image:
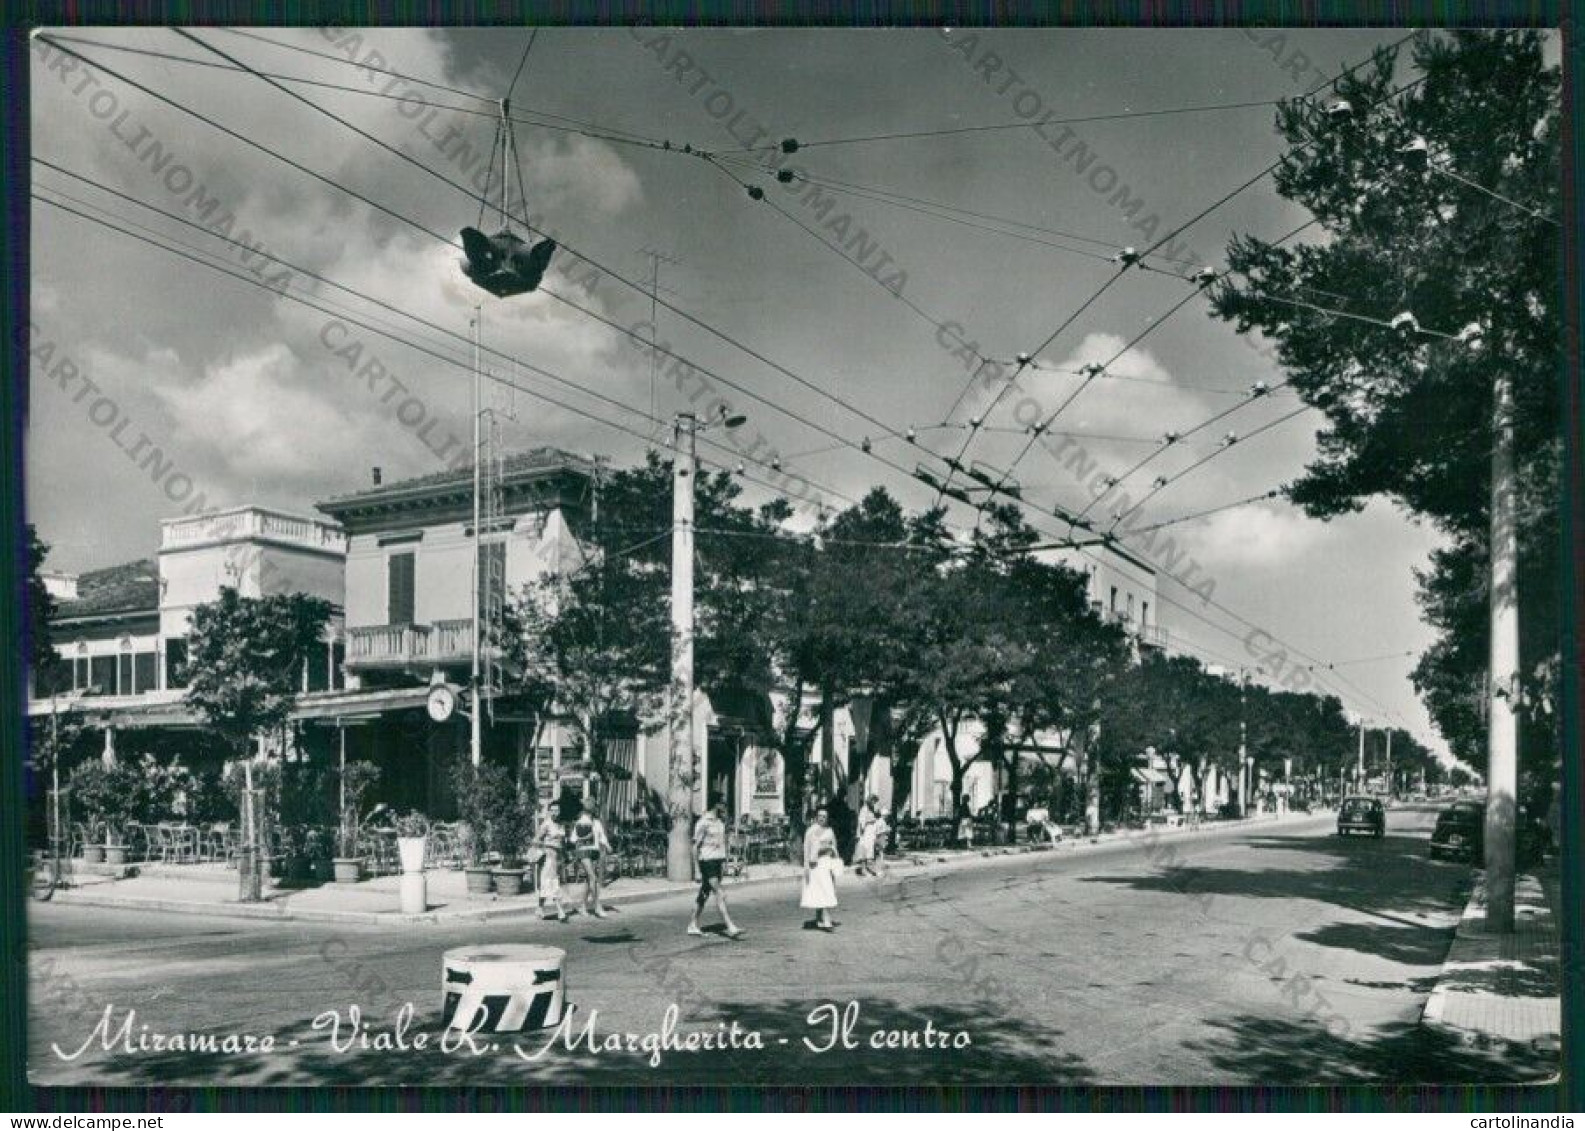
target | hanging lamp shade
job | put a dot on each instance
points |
(504, 264)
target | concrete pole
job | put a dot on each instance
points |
(1245, 774)
(1389, 764)
(475, 735)
(683, 757)
(1359, 769)
(1502, 742)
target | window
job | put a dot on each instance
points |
(48, 681)
(338, 659)
(143, 672)
(1130, 606)
(318, 668)
(1114, 599)
(176, 663)
(1144, 613)
(80, 678)
(399, 588)
(102, 674)
(123, 674)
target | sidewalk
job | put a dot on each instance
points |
(1504, 990)
(211, 889)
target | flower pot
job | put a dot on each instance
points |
(93, 854)
(349, 870)
(115, 854)
(411, 849)
(478, 881)
(508, 881)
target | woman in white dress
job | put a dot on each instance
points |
(870, 825)
(549, 838)
(821, 864)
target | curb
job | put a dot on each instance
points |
(1436, 1001)
(1432, 1016)
(282, 912)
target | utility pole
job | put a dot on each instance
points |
(1245, 770)
(683, 758)
(475, 736)
(1359, 768)
(1502, 740)
(1389, 764)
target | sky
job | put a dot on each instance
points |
(848, 313)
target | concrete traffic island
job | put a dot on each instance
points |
(502, 988)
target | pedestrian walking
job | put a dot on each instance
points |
(551, 839)
(709, 849)
(821, 867)
(870, 825)
(965, 823)
(589, 846)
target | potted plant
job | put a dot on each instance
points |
(357, 778)
(505, 826)
(87, 785)
(306, 809)
(469, 792)
(122, 804)
(412, 840)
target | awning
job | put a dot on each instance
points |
(736, 709)
(328, 706)
(1149, 776)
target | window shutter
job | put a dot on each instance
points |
(399, 589)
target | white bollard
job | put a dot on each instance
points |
(502, 989)
(415, 893)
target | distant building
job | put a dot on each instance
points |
(121, 632)
(1122, 588)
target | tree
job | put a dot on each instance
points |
(1173, 704)
(596, 642)
(1439, 203)
(245, 662)
(1062, 659)
(848, 614)
(41, 654)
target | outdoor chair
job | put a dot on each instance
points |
(219, 843)
(444, 849)
(736, 852)
(178, 843)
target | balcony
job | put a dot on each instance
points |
(1152, 636)
(250, 523)
(401, 646)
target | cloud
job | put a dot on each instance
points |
(1136, 387)
(1255, 536)
(252, 415)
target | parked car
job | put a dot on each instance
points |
(1361, 815)
(1460, 834)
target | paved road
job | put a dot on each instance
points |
(1274, 953)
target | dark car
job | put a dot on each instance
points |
(1361, 815)
(1460, 834)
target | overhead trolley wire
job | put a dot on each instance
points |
(451, 243)
(636, 287)
(1000, 126)
(426, 349)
